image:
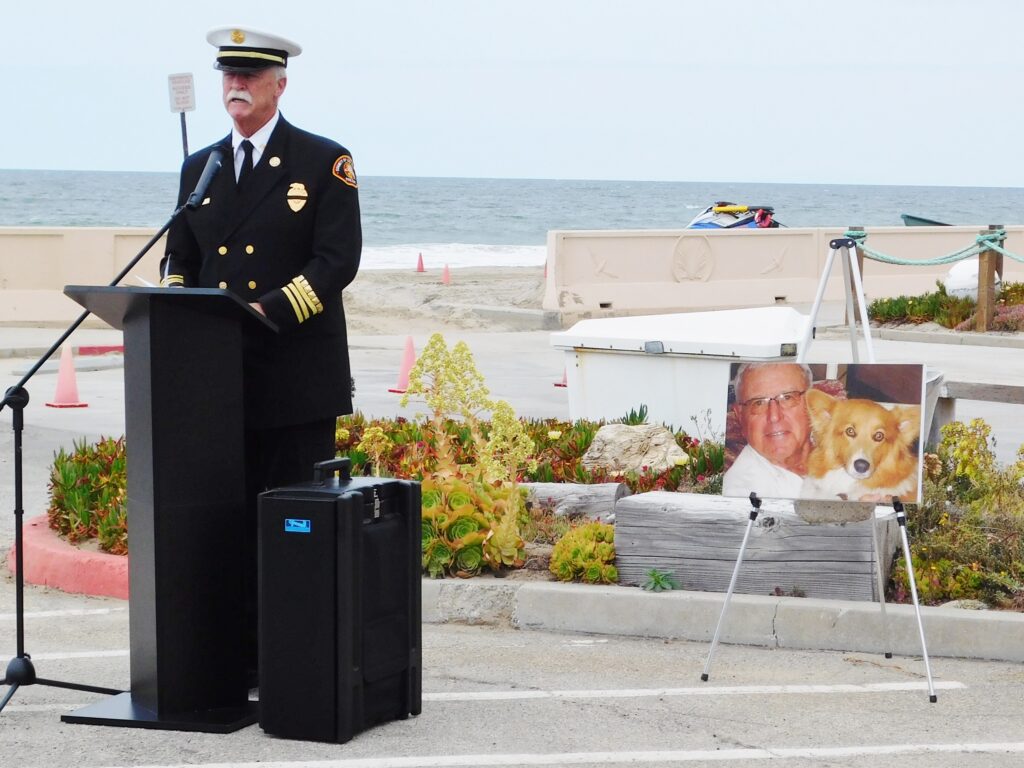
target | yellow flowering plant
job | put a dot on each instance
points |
(484, 527)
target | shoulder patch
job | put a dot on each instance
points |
(346, 171)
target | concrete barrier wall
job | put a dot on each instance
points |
(590, 273)
(37, 262)
(609, 273)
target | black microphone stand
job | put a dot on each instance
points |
(20, 670)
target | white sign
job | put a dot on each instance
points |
(183, 92)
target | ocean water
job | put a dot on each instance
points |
(504, 222)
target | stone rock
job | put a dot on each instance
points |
(825, 511)
(621, 448)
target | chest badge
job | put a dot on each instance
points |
(297, 196)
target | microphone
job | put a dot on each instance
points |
(213, 164)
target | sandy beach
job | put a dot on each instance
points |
(397, 301)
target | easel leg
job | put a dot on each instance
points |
(880, 586)
(756, 505)
(901, 518)
(816, 307)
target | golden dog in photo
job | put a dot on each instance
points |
(862, 451)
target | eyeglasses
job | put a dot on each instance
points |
(786, 400)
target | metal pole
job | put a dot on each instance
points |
(184, 135)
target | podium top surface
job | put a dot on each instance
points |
(116, 303)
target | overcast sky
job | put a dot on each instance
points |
(867, 92)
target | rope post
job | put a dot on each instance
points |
(860, 268)
(989, 262)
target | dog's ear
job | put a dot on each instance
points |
(909, 417)
(819, 407)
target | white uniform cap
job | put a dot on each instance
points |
(247, 49)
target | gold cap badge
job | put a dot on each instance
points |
(237, 36)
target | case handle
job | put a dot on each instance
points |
(329, 467)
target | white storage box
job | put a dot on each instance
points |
(677, 365)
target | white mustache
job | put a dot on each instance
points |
(236, 94)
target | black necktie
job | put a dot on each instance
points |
(246, 161)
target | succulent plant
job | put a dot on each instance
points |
(586, 553)
(504, 547)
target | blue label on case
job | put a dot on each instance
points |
(293, 525)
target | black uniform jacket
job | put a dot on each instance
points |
(290, 238)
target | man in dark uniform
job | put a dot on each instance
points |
(280, 228)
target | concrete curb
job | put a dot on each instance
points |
(52, 562)
(82, 364)
(87, 350)
(776, 622)
(969, 338)
(942, 336)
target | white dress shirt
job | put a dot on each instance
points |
(259, 143)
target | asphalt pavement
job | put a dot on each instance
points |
(499, 696)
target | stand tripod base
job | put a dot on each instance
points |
(122, 712)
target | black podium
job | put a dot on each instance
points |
(186, 503)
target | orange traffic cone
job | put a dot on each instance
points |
(563, 382)
(408, 360)
(419, 264)
(446, 276)
(67, 388)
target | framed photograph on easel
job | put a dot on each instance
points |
(838, 432)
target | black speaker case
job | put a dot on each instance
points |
(340, 607)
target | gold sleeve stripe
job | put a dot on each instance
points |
(170, 280)
(307, 292)
(305, 300)
(300, 311)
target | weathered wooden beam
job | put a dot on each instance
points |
(992, 393)
(596, 501)
(951, 391)
(696, 538)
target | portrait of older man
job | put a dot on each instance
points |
(772, 415)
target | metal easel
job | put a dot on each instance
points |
(853, 287)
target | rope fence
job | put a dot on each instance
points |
(986, 246)
(986, 241)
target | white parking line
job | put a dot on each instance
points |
(64, 613)
(662, 757)
(66, 707)
(60, 655)
(707, 690)
(608, 693)
(615, 693)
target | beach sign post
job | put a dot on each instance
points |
(182, 90)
